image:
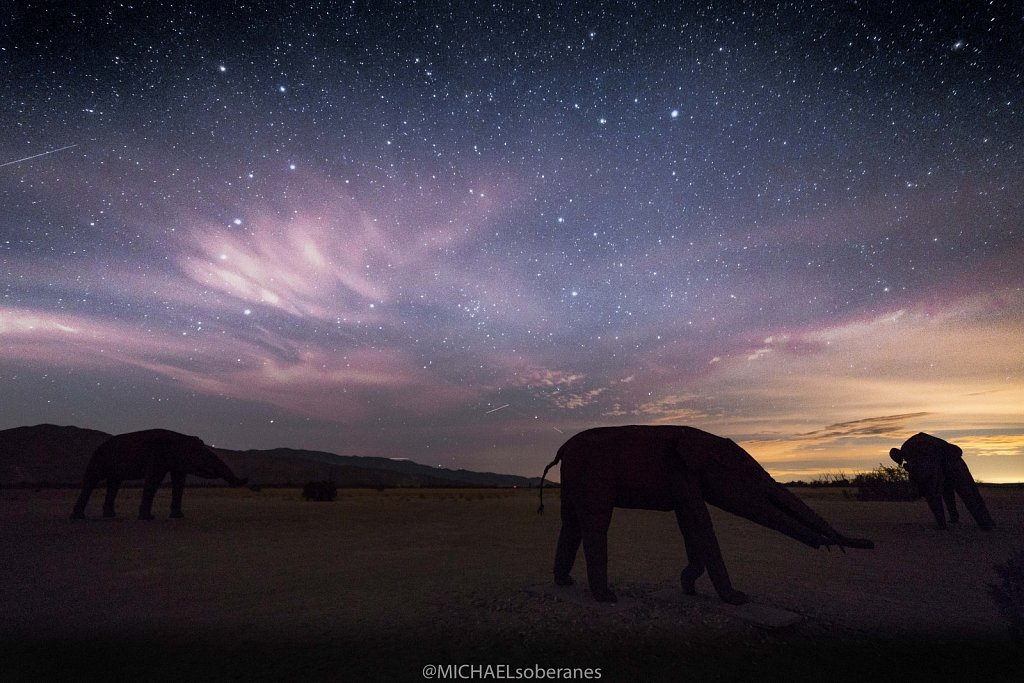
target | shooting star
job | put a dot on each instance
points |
(494, 410)
(34, 156)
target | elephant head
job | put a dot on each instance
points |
(205, 464)
(730, 479)
(924, 468)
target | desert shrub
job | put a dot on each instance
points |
(320, 491)
(1009, 596)
(831, 479)
(885, 483)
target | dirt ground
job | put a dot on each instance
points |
(378, 584)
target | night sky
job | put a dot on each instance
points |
(460, 232)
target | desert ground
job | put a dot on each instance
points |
(262, 585)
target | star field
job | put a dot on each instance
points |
(364, 227)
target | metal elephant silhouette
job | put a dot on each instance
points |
(150, 455)
(671, 468)
(937, 468)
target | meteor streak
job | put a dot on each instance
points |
(41, 154)
(494, 410)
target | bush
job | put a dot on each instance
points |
(831, 479)
(885, 483)
(1009, 597)
(320, 491)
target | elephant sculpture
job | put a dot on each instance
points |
(939, 471)
(150, 455)
(671, 468)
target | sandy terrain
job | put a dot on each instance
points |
(265, 586)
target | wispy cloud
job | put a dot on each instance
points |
(886, 425)
(676, 409)
(1001, 445)
(561, 389)
(306, 266)
(306, 379)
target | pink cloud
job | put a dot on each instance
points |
(546, 377)
(304, 379)
(324, 265)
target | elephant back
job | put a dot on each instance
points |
(928, 446)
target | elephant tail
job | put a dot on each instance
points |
(540, 510)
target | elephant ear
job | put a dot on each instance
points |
(896, 455)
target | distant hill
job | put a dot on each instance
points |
(280, 464)
(56, 456)
(46, 454)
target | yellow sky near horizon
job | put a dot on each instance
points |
(838, 398)
(992, 459)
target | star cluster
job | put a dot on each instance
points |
(458, 232)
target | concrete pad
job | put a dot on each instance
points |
(580, 595)
(758, 614)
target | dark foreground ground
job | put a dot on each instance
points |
(378, 585)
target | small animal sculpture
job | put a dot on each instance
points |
(325, 491)
(937, 468)
(150, 455)
(671, 468)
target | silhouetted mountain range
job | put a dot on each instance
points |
(52, 455)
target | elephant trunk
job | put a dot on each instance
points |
(209, 466)
(791, 505)
(224, 472)
(770, 504)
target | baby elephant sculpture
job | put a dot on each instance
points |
(678, 469)
(937, 468)
(150, 455)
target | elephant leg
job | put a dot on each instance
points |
(78, 512)
(594, 532)
(695, 522)
(949, 496)
(694, 568)
(177, 488)
(569, 539)
(113, 485)
(935, 503)
(149, 488)
(966, 487)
